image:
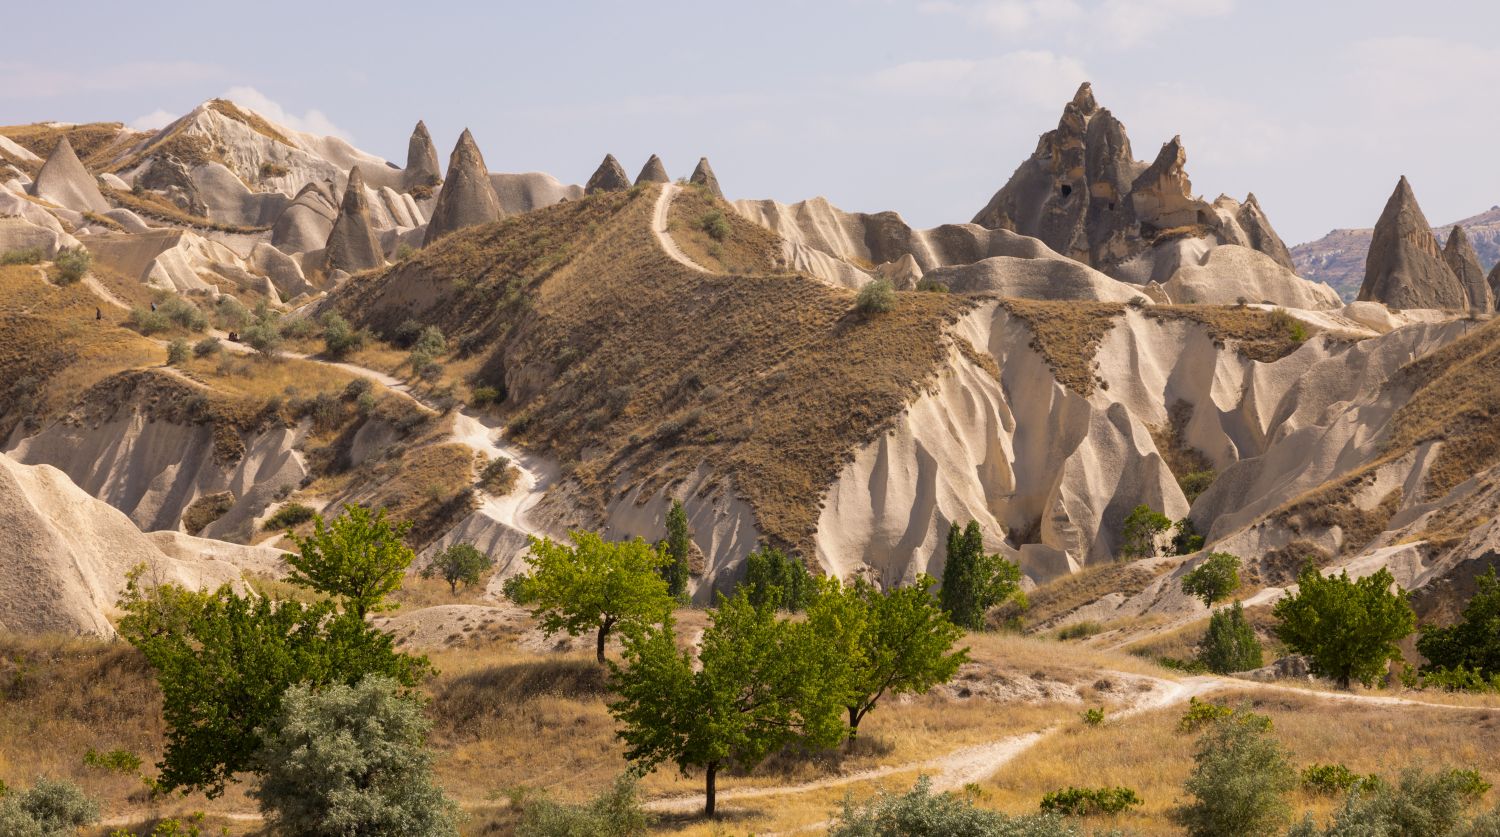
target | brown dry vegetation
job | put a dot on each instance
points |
(745, 248)
(1182, 459)
(149, 204)
(1052, 601)
(1266, 336)
(1455, 398)
(251, 120)
(1067, 335)
(602, 343)
(95, 143)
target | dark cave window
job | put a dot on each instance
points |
(1066, 190)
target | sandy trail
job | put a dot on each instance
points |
(659, 228)
(536, 474)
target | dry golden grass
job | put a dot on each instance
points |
(253, 121)
(151, 205)
(1057, 599)
(741, 246)
(1067, 335)
(1265, 336)
(1181, 458)
(1455, 398)
(95, 143)
(1148, 754)
(655, 368)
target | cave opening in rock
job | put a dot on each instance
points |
(1066, 190)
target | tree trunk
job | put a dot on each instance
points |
(1344, 682)
(603, 634)
(855, 716)
(708, 790)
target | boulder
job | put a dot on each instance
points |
(352, 245)
(422, 172)
(653, 172)
(64, 181)
(1404, 268)
(703, 175)
(609, 177)
(1460, 257)
(467, 197)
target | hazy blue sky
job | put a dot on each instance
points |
(922, 106)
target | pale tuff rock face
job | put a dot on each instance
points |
(421, 161)
(1404, 268)
(1084, 195)
(467, 198)
(703, 175)
(64, 181)
(352, 245)
(306, 223)
(609, 177)
(1494, 282)
(653, 172)
(1460, 257)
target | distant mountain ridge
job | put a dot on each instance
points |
(1338, 258)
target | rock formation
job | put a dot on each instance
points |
(305, 224)
(1083, 193)
(64, 181)
(421, 172)
(609, 177)
(653, 172)
(1460, 257)
(467, 197)
(703, 175)
(1404, 268)
(352, 245)
(1494, 281)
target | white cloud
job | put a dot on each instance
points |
(1032, 77)
(312, 121)
(1099, 23)
(155, 120)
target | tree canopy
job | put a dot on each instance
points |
(973, 581)
(1142, 526)
(1213, 580)
(1348, 629)
(776, 579)
(460, 563)
(1473, 643)
(678, 544)
(359, 558)
(592, 585)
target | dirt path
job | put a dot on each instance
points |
(659, 228)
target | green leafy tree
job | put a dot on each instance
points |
(223, 662)
(974, 582)
(359, 558)
(678, 544)
(1230, 644)
(340, 338)
(1473, 643)
(49, 807)
(593, 585)
(1213, 580)
(761, 683)
(350, 760)
(264, 337)
(776, 579)
(459, 564)
(1185, 537)
(876, 297)
(1240, 782)
(1142, 527)
(889, 643)
(1347, 628)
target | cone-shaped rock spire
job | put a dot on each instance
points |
(64, 181)
(1460, 257)
(703, 175)
(653, 172)
(1258, 230)
(1494, 282)
(609, 177)
(352, 245)
(421, 170)
(1404, 268)
(467, 197)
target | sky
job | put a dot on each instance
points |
(921, 106)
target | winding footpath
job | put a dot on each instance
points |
(659, 228)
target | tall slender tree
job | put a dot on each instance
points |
(679, 541)
(973, 581)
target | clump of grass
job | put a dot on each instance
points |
(23, 255)
(73, 263)
(1067, 335)
(715, 224)
(878, 297)
(499, 476)
(288, 516)
(1079, 630)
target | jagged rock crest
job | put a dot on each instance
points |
(653, 172)
(421, 170)
(467, 197)
(609, 177)
(1262, 237)
(64, 181)
(352, 245)
(1404, 268)
(703, 175)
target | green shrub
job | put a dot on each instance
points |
(350, 760)
(263, 337)
(932, 286)
(73, 264)
(1466, 654)
(615, 813)
(1291, 327)
(1214, 579)
(921, 813)
(774, 578)
(46, 809)
(231, 314)
(115, 761)
(877, 297)
(288, 516)
(1185, 538)
(715, 224)
(1240, 781)
(1333, 779)
(1459, 680)
(1419, 804)
(459, 564)
(1230, 645)
(407, 333)
(356, 389)
(1193, 484)
(430, 342)
(147, 322)
(340, 338)
(1093, 717)
(24, 255)
(1142, 526)
(205, 510)
(1201, 714)
(1084, 802)
(1079, 630)
(483, 395)
(177, 352)
(207, 346)
(183, 314)
(297, 328)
